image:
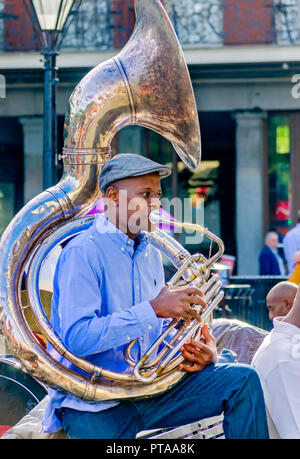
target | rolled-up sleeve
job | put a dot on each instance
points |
(84, 328)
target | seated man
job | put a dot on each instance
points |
(109, 289)
(280, 299)
(277, 362)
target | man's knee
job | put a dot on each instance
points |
(246, 373)
(247, 370)
(236, 371)
(226, 378)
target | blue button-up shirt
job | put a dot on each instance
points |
(291, 243)
(101, 293)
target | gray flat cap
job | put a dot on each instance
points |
(129, 165)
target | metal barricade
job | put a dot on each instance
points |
(237, 301)
(249, 303)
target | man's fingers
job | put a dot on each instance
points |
(193, 291)
(191, 368)
(196, 299)
(205, 332)
(188, 290)
(198, 349)
(192, 312)
(185, 316)
(189, 355)
(200, 359)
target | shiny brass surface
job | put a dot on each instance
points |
(147, 84)
(193, 270)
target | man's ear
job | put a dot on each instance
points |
(288, 305)
(112, 193)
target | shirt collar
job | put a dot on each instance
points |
(285, 327)
(104, 226)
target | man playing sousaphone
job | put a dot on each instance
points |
(109, 289)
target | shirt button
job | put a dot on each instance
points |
(149, 327)
(122, 249)
(128, 338)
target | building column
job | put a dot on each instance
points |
(33, 156)
(250, 172)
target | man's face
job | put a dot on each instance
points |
(272, 241)
(276, 307)
(136, 197)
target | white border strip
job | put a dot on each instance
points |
(223, 55)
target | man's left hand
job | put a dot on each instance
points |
(199, 353)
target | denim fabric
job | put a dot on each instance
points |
(230, 388)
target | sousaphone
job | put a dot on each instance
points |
(146, 84)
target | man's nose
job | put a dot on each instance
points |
(154, 204)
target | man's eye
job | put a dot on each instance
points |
(148, 194)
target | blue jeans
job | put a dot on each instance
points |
(232, 389)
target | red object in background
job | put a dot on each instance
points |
(124, 20)
(202, 192)
(229, 261)
(248, 22)
(283, 210)
(19, 32)
(4, 429)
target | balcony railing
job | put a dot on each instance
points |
(93, 27)
(287, 25)
(107, 24)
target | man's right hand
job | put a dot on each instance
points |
(176, 303)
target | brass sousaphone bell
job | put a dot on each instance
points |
(146, 84)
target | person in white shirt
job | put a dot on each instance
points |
(277, 362)
(291, 244)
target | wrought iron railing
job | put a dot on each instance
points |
(287, 21)
(197, 22)
(92, 28)
(104, 24)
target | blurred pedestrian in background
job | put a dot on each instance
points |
(270, 262)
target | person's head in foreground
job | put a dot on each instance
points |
(131, 188)
(280, 299)
(277, 362)
(293, 316)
